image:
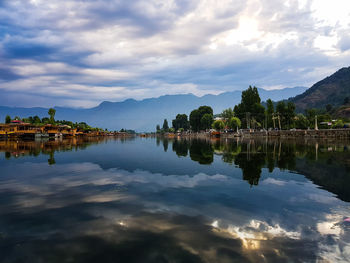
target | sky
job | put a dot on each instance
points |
(78, 53)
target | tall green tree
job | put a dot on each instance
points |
(250, 107)
(196, 116)
(165, 125)
(205, 109)
(181, 121)
(8, 119)
(290, 114)
(286, 113)
(158, 128)
(206, 121)
(52, 113)
(281, 113)
(270, 110)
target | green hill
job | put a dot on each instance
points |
(331, 90)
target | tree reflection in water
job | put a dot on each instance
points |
(325, 162)
(201, 151)
(132, 202)
(315, 159)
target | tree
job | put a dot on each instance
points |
(301, 122)
(205, 109)
(250, 107)
(165, 125)
(175, 123)
(227, 114)
(234, 123)
(218, 125)
(36, 119)
(8, 119)
(310, 115)
(290, 114)
(196, 116)
(206, 121)
(346, 100)
(181, 121)
(281, 107)
(286, 113)
(269, 112)
(52, 113)
(195, 120)
(158, 128)
(46, 120)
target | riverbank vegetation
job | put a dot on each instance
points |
(251, 113)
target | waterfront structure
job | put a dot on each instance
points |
(23, 130)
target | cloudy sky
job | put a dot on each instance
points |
(78, 53)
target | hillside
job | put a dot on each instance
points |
(144, 115)
(331, 90)
(343, 111)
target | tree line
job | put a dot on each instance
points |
(250, 113)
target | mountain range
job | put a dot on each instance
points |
(145, 114)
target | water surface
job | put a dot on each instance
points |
(155, 200)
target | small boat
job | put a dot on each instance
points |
(215, 134)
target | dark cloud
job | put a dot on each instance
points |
(8, 75)
(25, 51)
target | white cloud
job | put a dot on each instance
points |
(156, 47)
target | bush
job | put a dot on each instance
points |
(234, 123)
(338, 124)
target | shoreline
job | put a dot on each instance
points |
(322, 133)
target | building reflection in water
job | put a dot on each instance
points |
(22, 148)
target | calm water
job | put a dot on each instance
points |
(153, 200)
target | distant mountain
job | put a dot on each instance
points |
(331, 90)
(144, 115)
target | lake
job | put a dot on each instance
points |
(179, 200)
